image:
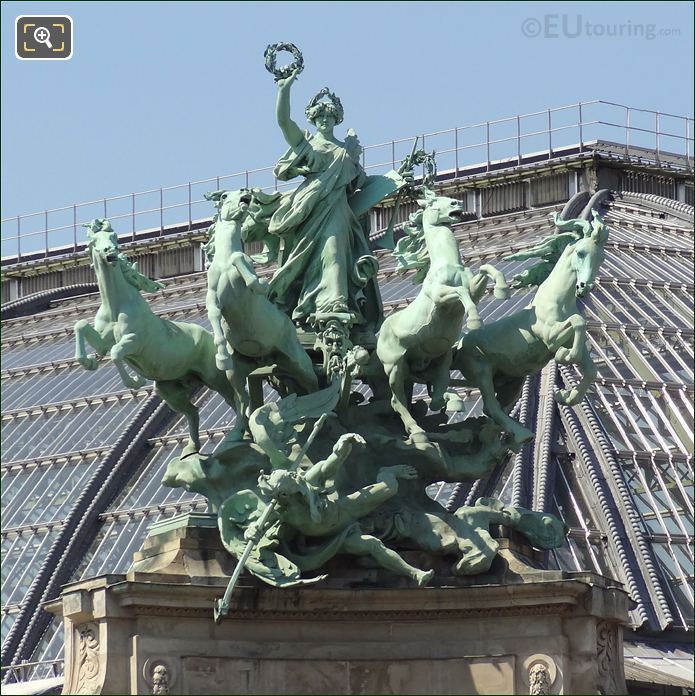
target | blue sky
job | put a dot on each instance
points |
(158, 94)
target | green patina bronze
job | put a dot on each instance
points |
(244, 322)
(498, 357)
(178, 356)
(320, 473)
(415, 344)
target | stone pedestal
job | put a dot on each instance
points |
(519, 630)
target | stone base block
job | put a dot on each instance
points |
(513, 633)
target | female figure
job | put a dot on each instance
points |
(326, 264)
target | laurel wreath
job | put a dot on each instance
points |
(285, 70)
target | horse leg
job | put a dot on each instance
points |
(177, 396)
(358, 544)
(574, 326)
(244, 266)
(396, 372)
(294, 360)
(440, 381)
(477, 286)
(571, 397)
(223, 359)
(231, 386)
(508, 390)
(492, 408)
(501, 291)
(85, 334)
(472, 316)
(125, 347)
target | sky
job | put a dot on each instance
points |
(157, 94)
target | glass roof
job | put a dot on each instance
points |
(635, 426)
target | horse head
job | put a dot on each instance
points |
(588, 254)
(102, 241)
(440, 210)
(231, 205)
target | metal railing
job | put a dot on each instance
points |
(482, 144)
(27, 671)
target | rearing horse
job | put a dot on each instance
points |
(178, 356)
(245, 323)
(498, 357)
(415, 344)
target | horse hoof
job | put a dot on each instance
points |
(521, 438)
(420, 438)
(423, 578)
(501, 293)
(455, 405)
(437, 404)
(474, 324)
(188, 450)
(224, 364)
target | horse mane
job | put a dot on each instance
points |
(548, 251)
(209, 246)
(411, 250)
(135, 278)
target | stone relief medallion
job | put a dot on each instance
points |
(160, 674)
(540, 671)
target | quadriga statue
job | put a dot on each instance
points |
(178, 356)
(415, 344)
(499, 356)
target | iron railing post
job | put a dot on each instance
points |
(161, 212)
(456, 151)
(19, 236)
(656, 123)
(550, 135)
(581, 129)
(518, 139)
(45, 233)
(487, 145)
(627, 131)
(74, 228)
(132, 213)
(190, 212)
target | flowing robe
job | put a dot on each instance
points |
(327, 265)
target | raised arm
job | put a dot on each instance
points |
(291, 131)
(328, 468)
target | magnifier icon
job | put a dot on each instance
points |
(42, 35)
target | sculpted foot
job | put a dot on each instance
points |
(568, 397)
(89, 363)
(519, 438)
(566, 356)
(474, 323)
(423, 577)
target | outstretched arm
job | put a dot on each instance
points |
(328, 468)
(291, 131)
